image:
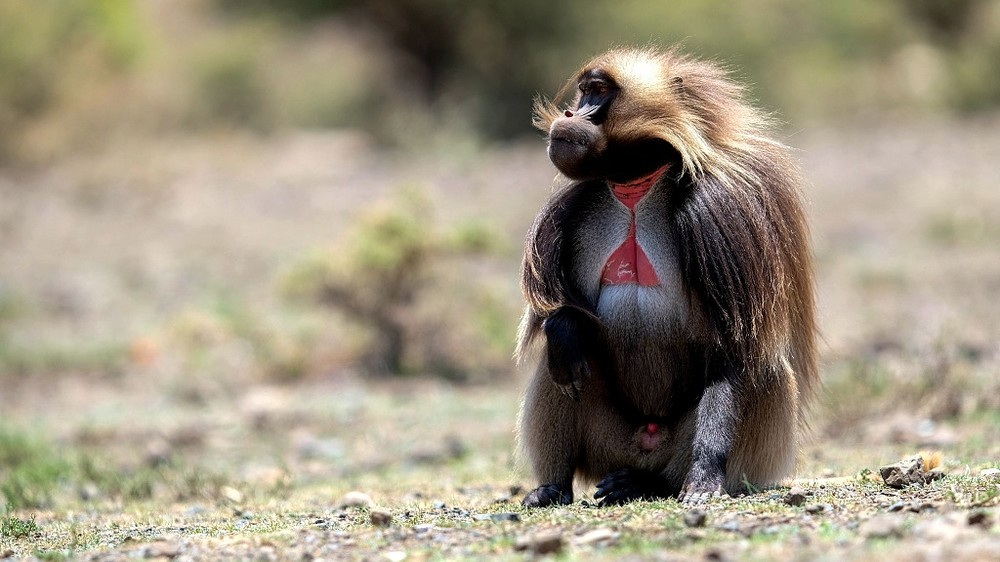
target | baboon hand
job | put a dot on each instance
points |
(566, 333)
(627, 485)
(568, 371)
(549, 494)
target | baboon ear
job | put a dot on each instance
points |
(677, 83)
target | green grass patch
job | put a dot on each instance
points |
(15, 528)
(29, 470)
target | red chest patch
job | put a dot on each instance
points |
(629, 263)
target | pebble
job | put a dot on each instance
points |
(933, 474)
(231, 494)
(695, 518)
(795, 496)
(498, 517)
(602, 536)
(980, 518)
(380, 517)
(903, 473)
(545, 542)
(395, 556)
(356, 499)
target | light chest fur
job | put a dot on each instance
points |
(649, 326)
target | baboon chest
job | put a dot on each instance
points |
(626, 264)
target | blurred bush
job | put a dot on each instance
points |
(56, 53)
(401, 281)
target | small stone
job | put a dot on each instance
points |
(356, 499)
(231, 494)
(933, 474)
(980, 518)
(795, 496)
(395, 556)
(497, 517)
(380, 517)
(905, 472)
(714, 554)
(601, 536)
(882, 527)
(6, 553)
(545, 542)
(815, 508)
(695, 518)
(423, 528)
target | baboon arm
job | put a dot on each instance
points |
(715, 430)
(575, 338)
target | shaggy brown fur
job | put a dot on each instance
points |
(730, 330)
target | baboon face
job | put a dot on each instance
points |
(580, 145)
(577, 142)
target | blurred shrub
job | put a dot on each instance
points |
(229, 87)
(51, 51)
(401, 281)
(477, 62)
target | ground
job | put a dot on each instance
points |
(201, 454)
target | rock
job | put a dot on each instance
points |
(356, 499)
(990, 473)
(6, 554)
(395, 556)
(980, 518)
(796, 496)
(933, 474)
(497, 517)
(380, 517)
(602, 536)
(882, 527)
(231, 494)
(545, 542)
(903, 473)
(695, 518)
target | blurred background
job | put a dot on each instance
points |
(220, 218)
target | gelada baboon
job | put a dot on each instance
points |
(670, 281)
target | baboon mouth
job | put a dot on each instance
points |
(577, 141)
